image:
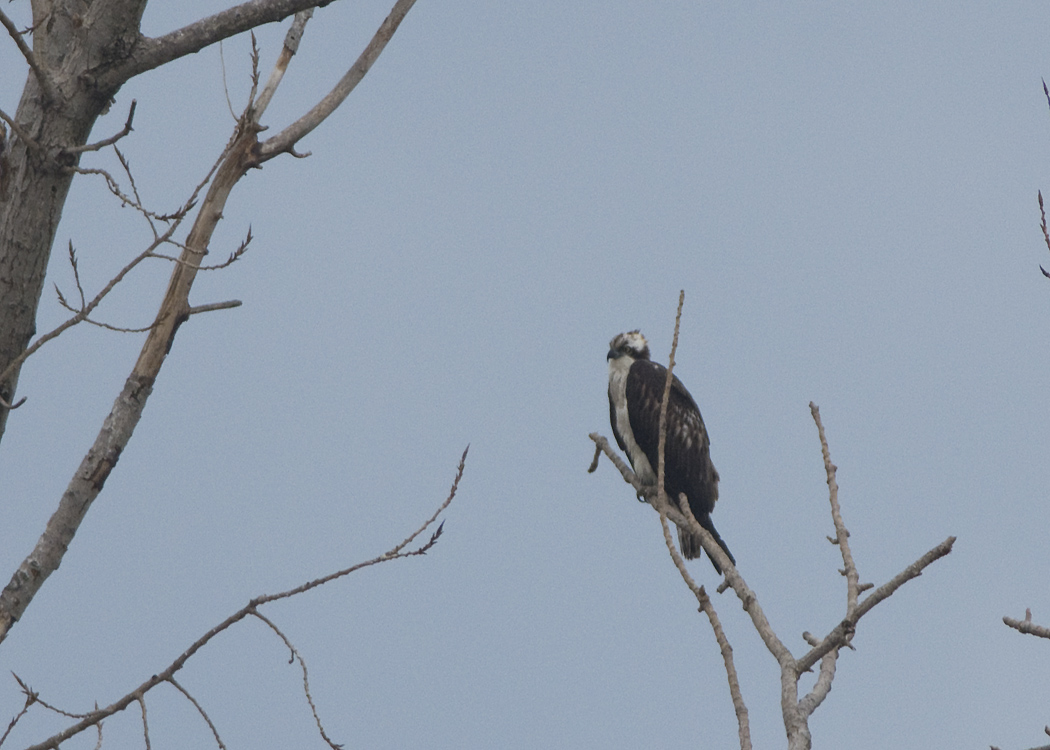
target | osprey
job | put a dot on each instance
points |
(636, 387)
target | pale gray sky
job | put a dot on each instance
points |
(847, 194)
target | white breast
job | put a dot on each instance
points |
(618, 371)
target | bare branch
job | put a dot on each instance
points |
(99, 145)
(287, 138)
(1028, 627)
(640, 489)
(841, 532)
(594, 461)
(95, 717)
(661, 443)
(822, 686)
(145, 723)
(84, 312)
(707, 607)
(46, 84)
(31, 698)
(228, 305)
(296, 656)
(200, 710)
(288, 50)
(451, 494)
(255, 75)
(76, 274)
(23, 136)
(15, 405)
(100, 459)
(842, 632)
(234, 256)
(152, 53)
(45, 704)
(1042, 220)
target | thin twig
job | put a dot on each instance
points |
(46, 84)
(707, 607)
(661, 443)
(98, 742)
(31, 698)
(841, 532)
(451, 494)
(234, 256)
(32, 144)
(96, 717)
(1042, 222)
(29, 692)
(842, 632)
(225, 85)
(255, 77)
(99, 145)
(296, 656)
(145, 724)
(200, 710)
(130, 266)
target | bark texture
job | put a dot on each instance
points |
(60, 103)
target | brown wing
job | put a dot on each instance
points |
(687, 455)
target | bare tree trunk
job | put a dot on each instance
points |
(60, 103)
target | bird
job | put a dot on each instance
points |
(636, 388)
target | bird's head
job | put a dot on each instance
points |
(631, 344)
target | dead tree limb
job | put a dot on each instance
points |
(241, 154)
(795, 711)
(95, 718)
(1026, 626)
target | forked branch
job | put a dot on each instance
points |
(795, 711)
(285, 140)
